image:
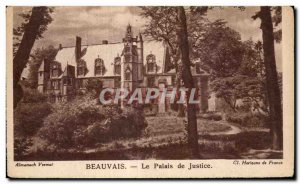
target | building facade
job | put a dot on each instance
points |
(132, 63)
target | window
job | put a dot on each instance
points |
(127, 49)
(151, 63)
(127, 74)
(117, 66)
(56, 84)
(80, 83)
(173, 80)
(41, 73)
(99, 66)
(69, 81)
(81, 67)
(65, 81)
(55, 70)
(151, 82)
(127, 58)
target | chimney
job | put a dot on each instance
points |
(78, 48)
(60, 46)
(104, 42)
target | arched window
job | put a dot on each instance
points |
(117, 66)
(127, 74)
(81, 67)
(151, 63)
(99, 66)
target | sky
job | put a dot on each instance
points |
(95, 24)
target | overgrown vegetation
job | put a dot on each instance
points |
(82, 122)
(28, 118)
(248, 119)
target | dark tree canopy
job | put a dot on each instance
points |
(34, 25)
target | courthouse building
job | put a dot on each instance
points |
(132, 63)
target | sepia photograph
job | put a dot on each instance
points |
(146, 83)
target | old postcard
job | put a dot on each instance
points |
(150, 92)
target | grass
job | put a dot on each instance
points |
(174, 125)
(165, 139)
(162, 131)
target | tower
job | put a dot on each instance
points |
(130, 63)
(140, 49)
(43, 76)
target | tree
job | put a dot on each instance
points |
(273, 90)
(37, 57)
(162, 27)
(94, 86)
(188, 81)
(169, 24)
(35, 23)
(219, 48)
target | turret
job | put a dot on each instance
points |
(140, 50)
(43, 76)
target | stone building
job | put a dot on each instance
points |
(132, 63)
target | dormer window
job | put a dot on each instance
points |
(99, 66)
(151, 63)
(117, 66)
(81, 67)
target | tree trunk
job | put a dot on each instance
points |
(178, 86)
(21, 58)
(188, 81)
(272, 79)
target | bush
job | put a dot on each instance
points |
(211, 116)
(67, 125)
(29, 117)
(84, 123)
(30, 113)
(127, 122)
(33, 96)
(247, 119)
(21, 146)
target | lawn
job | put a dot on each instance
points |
(162, 131)
(158, 126)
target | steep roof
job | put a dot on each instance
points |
(108, 52)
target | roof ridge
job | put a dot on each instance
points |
(110, 43)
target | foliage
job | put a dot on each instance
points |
(94, 86)
(219, 47)
(247, 83)
(19, 31)
(33, 96)
(34, 25)
(238, 87)
(66, 126)
(82, 122)
(127, 122)
(30, 113)
(21, 146)
(37, 57)
(211, 116)
(162, 27)
(247, 119)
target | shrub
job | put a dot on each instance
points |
(33, 96)
(84, 123)
(211, 116)
(67, 125)
(29, 117)
(248, 119)
(30, 113)
(127, 122)
(21, 146)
